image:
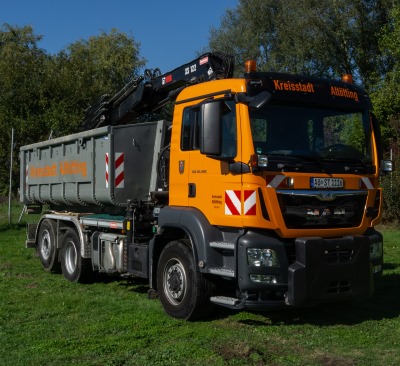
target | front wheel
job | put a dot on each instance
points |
(184, 292)
(73, 266)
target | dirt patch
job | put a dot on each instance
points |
(333, 360)
(18, 275)
(242, 351)
(4, 266)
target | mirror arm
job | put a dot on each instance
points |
(243, 98)
(255, 102)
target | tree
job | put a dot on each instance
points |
(306, 36)
(83, 72)
(43, 95)
(386, 101)
(248, 31)
(386, 95)
(22, 65)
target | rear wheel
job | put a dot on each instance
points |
(47, 246)
(184, 292)
(74, 267)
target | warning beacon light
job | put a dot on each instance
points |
(347, 78)
(250, 66)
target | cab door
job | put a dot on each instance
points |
(212, 187)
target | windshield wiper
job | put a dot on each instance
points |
(356, 164)
(285, 161)
(353, 165)
(310, 158)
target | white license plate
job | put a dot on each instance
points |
(326, 182)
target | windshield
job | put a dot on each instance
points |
(313, 137)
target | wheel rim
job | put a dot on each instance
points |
(71, 257)
(45, 245)
(175, 282)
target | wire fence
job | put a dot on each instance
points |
(391, 192)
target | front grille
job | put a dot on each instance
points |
(339, 287)
(338, 255)
(322, 209)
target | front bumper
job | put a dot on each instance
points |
(330, 270)
(323, 270)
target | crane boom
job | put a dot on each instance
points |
(149, 92)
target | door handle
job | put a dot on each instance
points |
(192, 190)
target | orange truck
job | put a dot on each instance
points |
(262, 192)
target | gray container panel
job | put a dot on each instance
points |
(105, 166)
(138, 163)
(56, 171)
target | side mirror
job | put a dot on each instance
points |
(386, 166)
(211, 129)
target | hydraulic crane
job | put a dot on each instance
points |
(149, 92)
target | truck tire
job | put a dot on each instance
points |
(184, 292)
(47, 246)
(73, 266)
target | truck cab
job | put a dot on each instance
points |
(281, 173)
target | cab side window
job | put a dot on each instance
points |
(190, 129)
(229, 133)
(190, 138)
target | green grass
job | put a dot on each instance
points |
(15, 215)
(46, 320)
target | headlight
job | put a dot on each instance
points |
(262, 257)
(263, 278)
(375, 250)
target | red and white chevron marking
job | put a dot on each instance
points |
(276, 181)
(366, 182)
(250, 202)
(119, 170)
(233, 202)
(106, 170)
(119, 167)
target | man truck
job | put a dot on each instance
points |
(262, 191)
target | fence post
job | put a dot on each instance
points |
(11, 165)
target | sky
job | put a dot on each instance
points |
(170, 32)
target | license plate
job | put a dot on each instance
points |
(326, 183)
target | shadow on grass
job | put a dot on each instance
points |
(390, 266)
(139, 285)
(5, 227)
(384, 304)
